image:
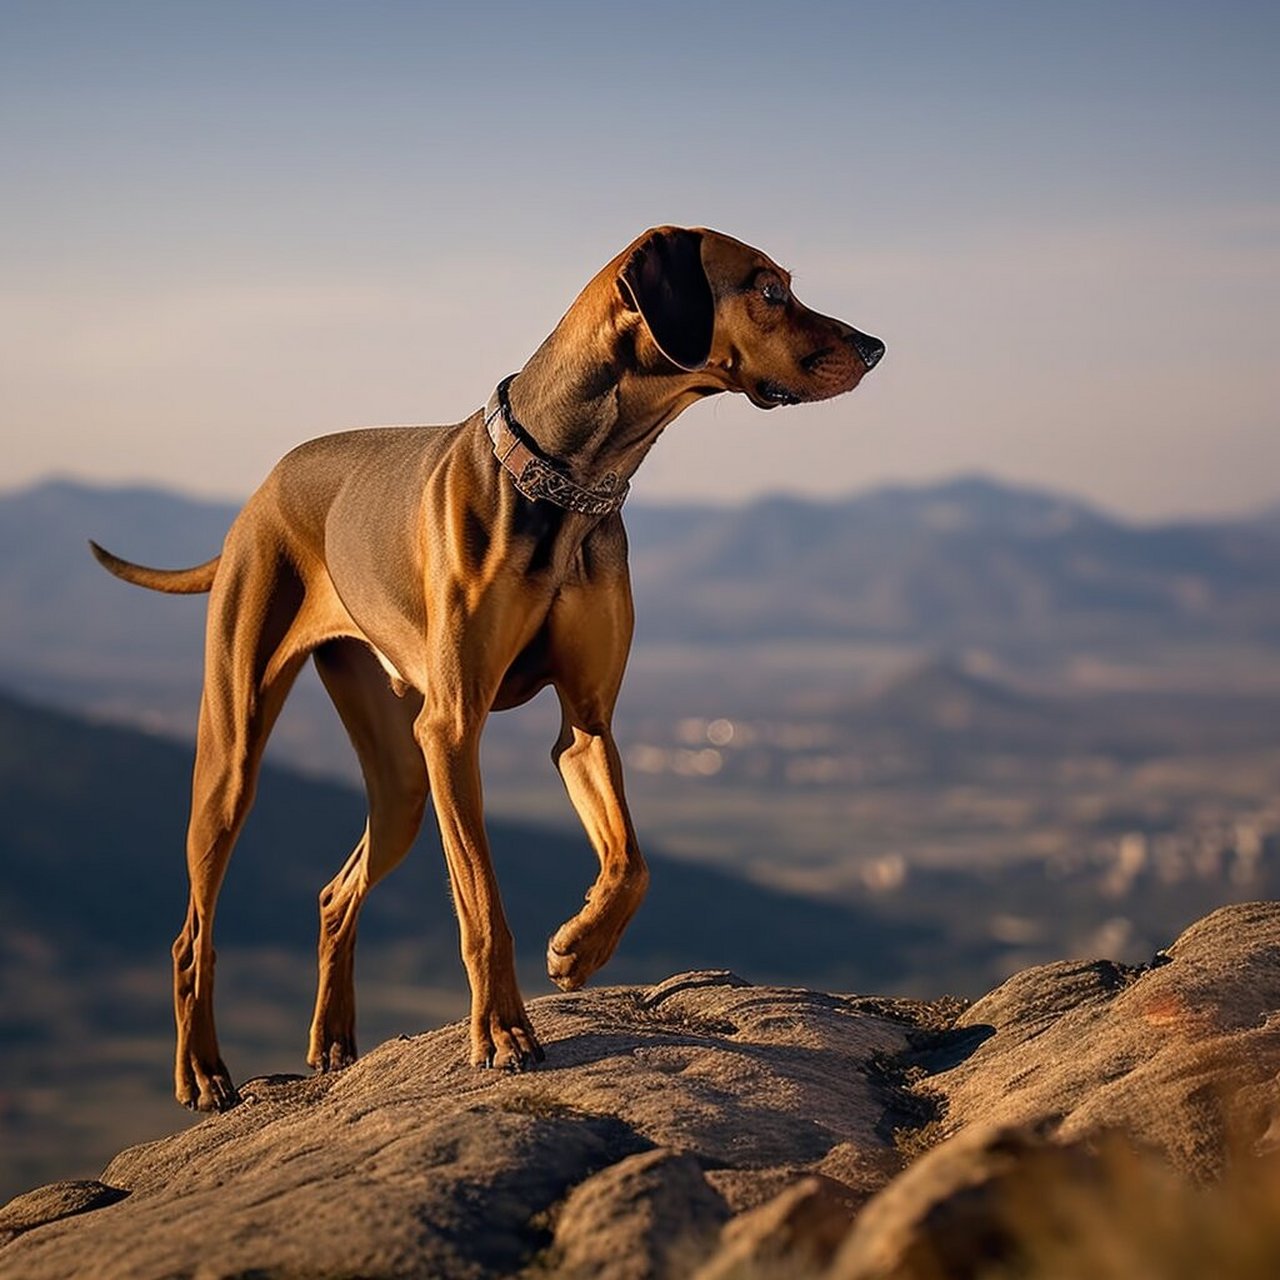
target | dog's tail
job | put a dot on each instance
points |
(184, 582)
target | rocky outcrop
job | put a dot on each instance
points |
(706, 1127)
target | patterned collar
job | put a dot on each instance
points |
(538, 477)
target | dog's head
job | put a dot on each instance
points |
(724, 313)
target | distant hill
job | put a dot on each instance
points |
(72, 633)
(941, 705)
(942, 698)
(56, 600)
(91, 837)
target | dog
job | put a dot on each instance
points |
(436, 574)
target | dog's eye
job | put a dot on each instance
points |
(774, 292)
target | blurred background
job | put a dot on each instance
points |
(976, 668)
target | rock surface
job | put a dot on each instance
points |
(1168, 1054)
(703, 1127)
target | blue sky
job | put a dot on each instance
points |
(232, 226)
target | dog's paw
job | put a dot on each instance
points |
(334, 1055)
(206, 1089)
(575, 952)
(508, 1044)
(565, 968)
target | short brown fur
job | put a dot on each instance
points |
(429, 591)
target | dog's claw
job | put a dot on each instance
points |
(219, 1095)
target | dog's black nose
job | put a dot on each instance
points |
(869, 348)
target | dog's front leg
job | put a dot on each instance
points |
(590, 636)
(448, 730)
(588, 760)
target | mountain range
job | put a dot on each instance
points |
(968, 562)
(961, 564)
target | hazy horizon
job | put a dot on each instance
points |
(232, 228)
(1267, 508)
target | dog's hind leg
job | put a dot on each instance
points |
(250, 664)
(380, 726)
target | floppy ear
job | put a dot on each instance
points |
(665, 282)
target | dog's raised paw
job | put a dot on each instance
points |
(576, 950)
(565, 969)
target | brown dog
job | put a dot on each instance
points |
(435, 574)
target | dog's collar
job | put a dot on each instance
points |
(538, 477)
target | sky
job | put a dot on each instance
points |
(230, 227)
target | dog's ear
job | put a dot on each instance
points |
(664, 281)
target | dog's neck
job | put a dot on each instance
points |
(538, 476)
(597, 394)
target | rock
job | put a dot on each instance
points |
(650, 1215)
(1181, 1058)
(954, 1213)
(49, 1204)
(412, 1163)
(707, 1126)
(1010, 1202)
(797, 1232)
(1180, 1055)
